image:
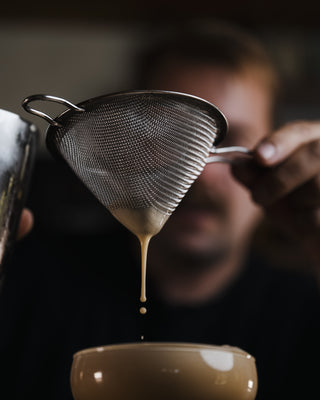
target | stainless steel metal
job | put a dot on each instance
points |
(194, 101)
(232, 153)
(137, 149)
(18, 141)
(43, 97)
(233, 150)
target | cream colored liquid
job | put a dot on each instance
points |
(144, 223)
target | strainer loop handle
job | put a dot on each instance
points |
(46, 97)
(232, 152)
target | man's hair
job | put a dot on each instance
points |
(219, 44)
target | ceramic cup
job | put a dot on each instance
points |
(163, 371)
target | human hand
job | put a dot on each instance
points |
(25, 224)
(284, 178)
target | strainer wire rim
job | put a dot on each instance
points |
(211, 109)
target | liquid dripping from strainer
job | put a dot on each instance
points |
(137, 151)
(143, 223)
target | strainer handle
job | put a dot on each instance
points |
(232, 152)
(46, 97)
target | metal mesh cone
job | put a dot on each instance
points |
(136, 150)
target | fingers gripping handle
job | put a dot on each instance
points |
(45, 97)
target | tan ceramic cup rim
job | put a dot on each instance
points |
(174, 346)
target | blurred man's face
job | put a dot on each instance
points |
(217, 215)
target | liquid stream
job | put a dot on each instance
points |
(144, 223)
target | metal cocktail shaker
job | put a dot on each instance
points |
(18, 142)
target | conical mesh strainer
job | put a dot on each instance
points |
(138, 149)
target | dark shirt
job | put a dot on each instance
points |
(63, 295)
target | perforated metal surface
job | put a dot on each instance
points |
(136, 149)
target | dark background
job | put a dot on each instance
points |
(79, 49)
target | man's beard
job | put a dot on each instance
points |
(191, 247)
(188, 260)
(191, 261)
